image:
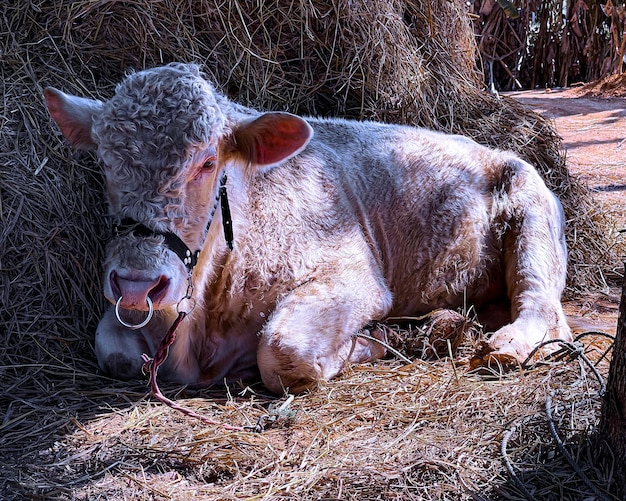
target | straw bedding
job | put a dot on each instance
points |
(429, 429)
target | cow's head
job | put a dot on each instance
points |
(164, 140)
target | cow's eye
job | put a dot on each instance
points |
(208, 165)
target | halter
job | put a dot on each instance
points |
(173, 242)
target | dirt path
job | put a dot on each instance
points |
(594, 137)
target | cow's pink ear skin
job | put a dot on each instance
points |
(73, 115)
(272, 138)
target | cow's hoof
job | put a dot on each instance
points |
(500, 361)
(501, 353)
(488, 361)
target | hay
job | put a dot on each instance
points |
(384, 431)
(610, 86)
(388, 431)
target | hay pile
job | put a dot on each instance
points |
(610, 86)
(392, 431)
(406, 62)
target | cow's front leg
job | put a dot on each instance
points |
(311, 334)
(535, 259)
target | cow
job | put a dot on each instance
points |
(333, 224)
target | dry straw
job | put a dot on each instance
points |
(428, 430)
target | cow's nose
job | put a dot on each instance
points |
(134, 290)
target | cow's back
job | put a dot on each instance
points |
(411, 205)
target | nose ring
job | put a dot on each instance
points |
(136, 326)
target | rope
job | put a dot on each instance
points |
(576, 350)
(151, 365)
(509, 466)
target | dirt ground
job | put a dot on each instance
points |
(593, 128)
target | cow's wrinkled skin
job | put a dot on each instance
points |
(336, 224)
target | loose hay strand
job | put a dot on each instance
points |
(387, 347)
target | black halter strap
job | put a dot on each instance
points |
(172, 241)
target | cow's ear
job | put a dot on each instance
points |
(271, 138)
(74, 116)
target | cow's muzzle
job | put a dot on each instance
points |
(177, 246)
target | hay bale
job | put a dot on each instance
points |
(391, 60)
(387, 60)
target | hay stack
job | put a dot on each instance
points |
(405, 62)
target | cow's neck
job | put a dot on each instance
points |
(231, 290)
(220, 249)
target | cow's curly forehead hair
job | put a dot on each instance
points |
(154, 120)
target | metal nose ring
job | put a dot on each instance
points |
(136, 326)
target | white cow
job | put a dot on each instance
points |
(336, 224)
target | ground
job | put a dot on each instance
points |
(391, 430)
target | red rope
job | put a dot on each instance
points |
(151, 365)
